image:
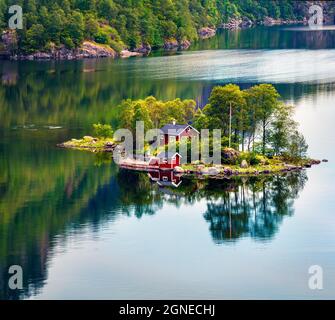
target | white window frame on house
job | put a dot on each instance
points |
(165, 179)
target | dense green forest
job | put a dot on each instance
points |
(131, 23)
(260, 121)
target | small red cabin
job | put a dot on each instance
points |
(174, 132)
(166, 160)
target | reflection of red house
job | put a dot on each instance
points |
(174, 132)
(166, 160)
(165, 178)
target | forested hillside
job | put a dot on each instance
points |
(132, 23)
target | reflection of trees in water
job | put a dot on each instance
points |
(255, 209)
(268, 38)
(290, 92)
(70, 194)
(46, 192)
(64, 94)
(239, 207)
(136, 195)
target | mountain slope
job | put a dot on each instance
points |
(133, 23)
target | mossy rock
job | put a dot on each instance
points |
(230, 155)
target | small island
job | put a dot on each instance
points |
(257, 135)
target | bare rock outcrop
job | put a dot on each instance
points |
(144, 49)
(232, 24)
(244, 164)
(171, 44)
(93, 50)
(268, 21)
(87, 50)
(174, 44)
(238, 23)
(128, 54)
(230, 155)
(184, 44)
(8, 43)
(206, 32)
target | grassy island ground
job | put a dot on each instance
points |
(238, 166)
(273, 166)
(257, 131)
(91, 144)
(103, 143)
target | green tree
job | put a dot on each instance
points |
(282, 128)
(126, 111)
(298, 146)
(137, 22)
(221, 101)
(55, 25)
(91, 26)
(35, 38)
(75, 28)
(141, 113)
(103, 130)
(156, 113)
(263, 100)
(201, 121)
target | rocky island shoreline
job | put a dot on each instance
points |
(255, 146)
(198, 169)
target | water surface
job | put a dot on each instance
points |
(80, 228)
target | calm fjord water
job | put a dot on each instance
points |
(80, 228)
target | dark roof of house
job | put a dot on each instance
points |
(175, 129)
(167, 155)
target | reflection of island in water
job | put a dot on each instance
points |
(165, 178)
(239, 207)
(84, 195)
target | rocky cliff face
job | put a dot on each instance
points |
(93, 50)
(8, 42)
(87, 50)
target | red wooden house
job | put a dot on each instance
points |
(165, 161)
(174, 132)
